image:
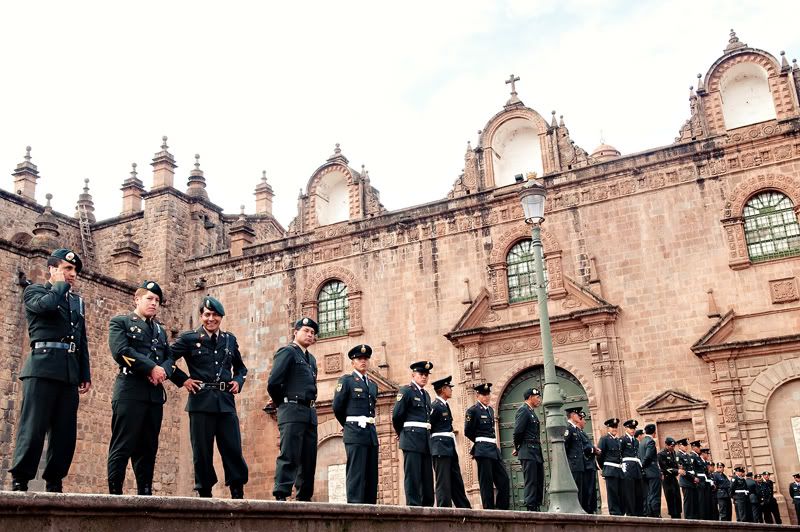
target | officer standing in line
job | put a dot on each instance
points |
(216, 374)
(528, 447)
(755, 498)
(794, 494)
(354, 407)
(589, 488)
(292, 387)
(632, 468)
(574, 448)
(449, 484)
(411, 419)
(741, 496)
(704, 497)
(668, 464)
(138, 344)
(723, 485)
(610, 461)
(479, 429)
(769, 504)
(53, 376)
(713, 510)
(687, 480)
(651, 474)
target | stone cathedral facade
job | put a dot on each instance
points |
(672, 281)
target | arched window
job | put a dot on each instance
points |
(770, 227)
(746, 96)
(521, 272)
(332, 308)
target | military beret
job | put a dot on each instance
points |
(69, 256)
(483, 389)
(441, 383)
(212, 304)
(612, 422)
(531, 392)
(650, 428)
(360, 351)
(683, 441)
(423, 367)
(639, 432)
(740, 469)
(669, 440)
(153, 287)
(306, 322)
(696, 443)
(574, 410)
(631, 424)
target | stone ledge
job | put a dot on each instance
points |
(89, 513)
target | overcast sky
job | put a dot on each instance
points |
(252, 86)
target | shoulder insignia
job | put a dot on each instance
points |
(339, 387)
(468, 417)
(566, 433)
(128, 360)
(400, 396)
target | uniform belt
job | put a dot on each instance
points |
(447, 434)
(612, 464)
(303, 402)
(221, 386)
(632, 459)
(741, 491)
(69, 348)
(796, 497)
(485, 439)
(418, 424)
(701, 475)
(361, 420)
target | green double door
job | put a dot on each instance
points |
(573, 394)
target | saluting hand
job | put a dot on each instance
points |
(193, 385)
(233, 386)
(56, 275)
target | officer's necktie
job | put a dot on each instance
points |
(214, 338)
(366, 381)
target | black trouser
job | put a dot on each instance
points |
(690, 502)
(449, 484)
(744, 513)
(533, 473)
(771, 513)
(755, 509)
(797, 510)
(50, 408)
(703, 500)
(491, 474)
(296, 461)
(588, 493)
(418, 478)
(135, 426)
(577, 476)
(362, 473)
(672, 494)
(652, 496)
(724, 509)
(204, 427)
(614, 494)
(632, 496)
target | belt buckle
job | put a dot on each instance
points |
(72, 347)
(312, 403)
(223, 386)
(371, 420)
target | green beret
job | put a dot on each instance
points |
(152, 286)
(213, 305)
(69, 256)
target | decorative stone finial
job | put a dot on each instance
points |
(337, 150)
(134, 173)
(27, 153)
(734, 43)
(197, 183)
(164, 143)
(86, 186)
(561, 121)
(85, 206)
(553, 122)
(337, 154)
(794, 64)
(264, 176)
(469, 146)
(197, 161)
(784, 62)
(48, 197)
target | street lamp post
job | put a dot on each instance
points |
(562, 491)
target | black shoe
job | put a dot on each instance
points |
(237, 491)
(114, 488)
(280, 497)
(19, 485)
(204, 492)
(54, 487)
(144, 489)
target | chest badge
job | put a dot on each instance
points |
(399, 396)
(358, 389)
(566, 433)
(339, 387)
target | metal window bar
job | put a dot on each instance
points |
(771, 229)
(522, 273)
(333, 310)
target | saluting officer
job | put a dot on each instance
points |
(479, 429)
(354, 408)
(449, 484)
(769, 504)
(651, 475)
(741, 496)
(411, 419)
(138, 344)
(588, 491)
(632, 468)
(528, 448)
(56, 371)
(668, 464)
(292, 386)
(610, 460)
(216, 374)
(794, 494)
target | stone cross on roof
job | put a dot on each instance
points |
(512, 81)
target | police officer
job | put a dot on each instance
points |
(687, 480)
(632, 468)
(741, 496)
(479, 429)
(588, 491)
(754, 497)
(574, 448)
(56, 371)
(769, 506)
(713, 510)
(528, 447)
(610, 461)
(723, 484)
(354, 407)
(651, 474)
(138, 344)
(292, 386)
(216, 374)
(449, 484)
(704, 498)
(411, 419)
(668, 464)
(794, 494)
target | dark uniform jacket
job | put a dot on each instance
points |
(354, 398)
(794, 492)
(574, 447)
(723, 484)
(137, 347)
(211, 362)
(610, 453)
(442, 421)
(589, 459)
(668, 463)
(648, 456)
(767, 488)
(752, 488)
(630, 449)
(412, 405)
(56, 315)
(739, 484)
(292, 385)
(686, 462)
(526, 434)
(479, 423)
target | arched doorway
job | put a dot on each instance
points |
(784, 438)
(329, 480)
(574, 395)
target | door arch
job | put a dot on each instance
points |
(574, 395)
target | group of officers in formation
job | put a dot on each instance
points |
(57, 372)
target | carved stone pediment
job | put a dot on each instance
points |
(670, 401)
(737, 336)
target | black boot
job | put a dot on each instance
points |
(204, 492)
(54, 487)
(237, 491)
(19, 485)
(114, 487)
(144, 489)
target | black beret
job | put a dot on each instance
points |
(359, 351)
(650, 428)
(69, 256)
(306, 322)
(423, 366)
(153, 286)
(531, 392)
(441, 383)
(483, 389)
(612, 422)
(213, 305)
(631, 424)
